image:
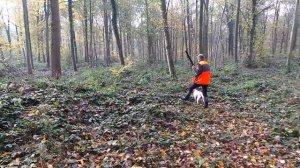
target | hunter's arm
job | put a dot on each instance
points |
(199, 70)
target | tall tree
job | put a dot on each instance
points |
(55, 40)
(188, 20)
(86, 44)
(168, 39)
(21, 49)
(151, 57)
(8, 34)
(237, 21)
(205, 32)
(91, 52)
(251, 59)
(27, 37)
(293, 35)
(106, 34)
(229, 8)
(47, 13)
(201, 48)
(116, 31)
(38, 34)
(72, 34)
(275, 26)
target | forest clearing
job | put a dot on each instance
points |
(101, 83)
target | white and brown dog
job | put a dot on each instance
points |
(198, 95)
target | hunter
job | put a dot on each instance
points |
(202, 78)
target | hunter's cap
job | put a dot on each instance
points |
(201, 56)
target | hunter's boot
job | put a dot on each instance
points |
(205, 102)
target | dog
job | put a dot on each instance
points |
(198, 95)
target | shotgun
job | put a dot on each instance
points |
(187, 54)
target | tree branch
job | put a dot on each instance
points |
(264, 9)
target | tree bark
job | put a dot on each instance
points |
(7, 29)
(38, 36)
(201, 48)
(251, 57)
(21, 49)
(293, 36)
(188, 27)
(237, 21)
(47, 13)
(91, 52)
(55, 40)
(230, 24)
(149, 36)
(275, 27)
(27, 38)
(72, 40)
(205, 38)
(168, 39)
(75, 47)
(116, 32)
(106, 33)
(86, 44)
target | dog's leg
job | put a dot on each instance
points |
(198, 98)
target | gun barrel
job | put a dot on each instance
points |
(187, 54)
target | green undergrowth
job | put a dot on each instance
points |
(126, 108)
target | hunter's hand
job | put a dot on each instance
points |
(194, 67)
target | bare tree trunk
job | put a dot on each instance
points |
(275, 27)
(21, 49)
(230, 24)
(211, 44)
(282, 41)
(293, 36)
(42, 47)
(201, 48)
(86, 44)
(47, 13)
(175, 45)
(168, 39)
(237, 21)
(91, 52)
(38, 36)
(205, 38)
(185, 35)
(95, 51)
(197, 27)
(55, 40)
(7, 29)
(72, 40)
(251, 57)
(188, 26)
(149, 36)
(116, 32)
(75, 47)
(27, 34)
(106, 33)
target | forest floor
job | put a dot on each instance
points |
(132, 117)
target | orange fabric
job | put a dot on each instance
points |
(204, 78)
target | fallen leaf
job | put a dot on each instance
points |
(163, 153)
(49, 165)
(44, 139)
(197, 154)
(81, 161)
(183, 133)
(221, 164)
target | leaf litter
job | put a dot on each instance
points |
(53, 125)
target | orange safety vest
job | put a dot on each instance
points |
(204, 77)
